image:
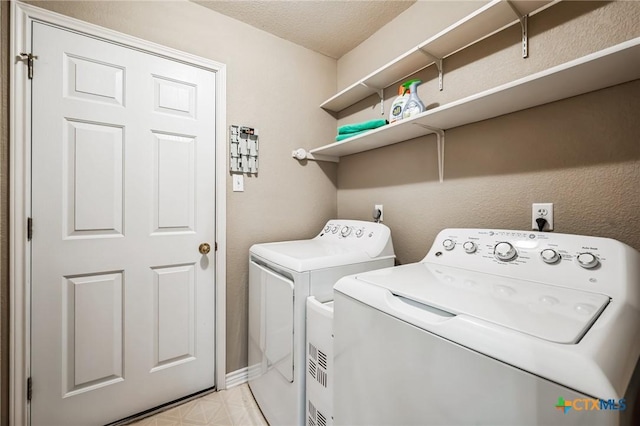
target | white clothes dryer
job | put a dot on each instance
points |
(492, 327)
(281, 277)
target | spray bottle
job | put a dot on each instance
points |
(398, 104)
(414, 105)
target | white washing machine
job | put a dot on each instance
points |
(492, 327)
(281, 277)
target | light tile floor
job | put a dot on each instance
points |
(232, 407)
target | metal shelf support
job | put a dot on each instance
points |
(438, 62)
(302, 154)
(440, 139)
(380, 93)
(523, 23)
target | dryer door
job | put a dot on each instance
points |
(276, 319)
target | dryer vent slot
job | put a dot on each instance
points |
(322, 377)
(312, 368)
(313, 415)
(322, 421)
(322, 359)
(317, 361)
(313, 352)
(315, 418)
(312, 360)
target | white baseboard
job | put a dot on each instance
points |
(237, 377)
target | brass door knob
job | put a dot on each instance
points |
(204, 248)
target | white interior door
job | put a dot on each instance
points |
(123, 193)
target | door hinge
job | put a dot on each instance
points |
(215, 246)
(29, 228)
(29, 389)
(29, 57)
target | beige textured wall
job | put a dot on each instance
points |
(583, 153)
(413, 26)
(273, 85)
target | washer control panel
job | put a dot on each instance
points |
(573, 261)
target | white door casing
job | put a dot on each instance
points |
(94, 220)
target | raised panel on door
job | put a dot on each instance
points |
(174, 97)
(175, 183)
(93, 80)
(93, 331)
(174, 300)
(94, 179)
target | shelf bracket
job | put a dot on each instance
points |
(438, 62)
(380, 93)
(523, 23)
(302, 154)
(440, 138)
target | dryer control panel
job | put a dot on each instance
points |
(596, 264)
(375, 238)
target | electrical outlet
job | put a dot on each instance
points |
(544, 211)
(379, 207)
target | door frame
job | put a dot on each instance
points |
(22, 16)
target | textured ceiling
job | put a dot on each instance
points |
(331, 27)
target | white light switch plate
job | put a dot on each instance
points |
(238, 183)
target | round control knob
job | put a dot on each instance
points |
(587, 260)
(448, 244)
(549, 256)
(470, 247)
(360, 232)
(505, 251)
(327, 228)
(345, 231)
(335, 228)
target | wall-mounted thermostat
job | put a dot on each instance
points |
(243, 149)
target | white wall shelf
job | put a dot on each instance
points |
(485, 21)
(614, 65)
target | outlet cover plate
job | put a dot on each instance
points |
(542, 210)
(381, 208)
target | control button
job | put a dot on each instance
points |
(335, 228)
(549, 300)
(505, 251)
(587, 260)
(345, 231)
(359, 232)
(470, 247)
(327, 228)
(584, 308)
(549, 256)
(448, 244)
(505, 290)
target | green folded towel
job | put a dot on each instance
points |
(350, 135)
(358, 127)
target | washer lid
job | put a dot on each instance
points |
(553, 313)
(308, 255)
